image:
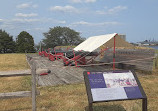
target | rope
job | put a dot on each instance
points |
(115, 62)
(99, 64)
(70, 54)
(104, 63)
(93, 57)
(83, 56)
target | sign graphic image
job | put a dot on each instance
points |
(120, 80)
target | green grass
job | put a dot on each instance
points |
(69, 97)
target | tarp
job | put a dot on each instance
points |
(92, 43)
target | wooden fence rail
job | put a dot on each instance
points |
(15, 94)
(15, 73)
(19, 94)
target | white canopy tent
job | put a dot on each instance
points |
(92, 43)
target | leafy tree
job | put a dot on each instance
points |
(25, 42)
(7, 44)
(61, 36)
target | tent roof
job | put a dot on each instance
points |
(92, 43)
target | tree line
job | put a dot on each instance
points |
(24, 42)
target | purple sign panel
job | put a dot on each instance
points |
(97, 81)
(112, 86)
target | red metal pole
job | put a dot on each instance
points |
(114, 54)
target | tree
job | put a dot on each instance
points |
(61, 36)
(25, 42)
(7, 44)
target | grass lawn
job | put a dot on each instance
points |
(13, 62)
(65, 97)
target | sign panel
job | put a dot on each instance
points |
(113, 85)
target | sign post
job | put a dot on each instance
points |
(116, 85)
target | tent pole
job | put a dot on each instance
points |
(114, 54)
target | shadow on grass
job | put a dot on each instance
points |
(106, 108)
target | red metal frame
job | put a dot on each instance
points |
(77, 58)
(46, 54)
(51, 57)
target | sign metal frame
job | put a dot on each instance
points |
(89, 93)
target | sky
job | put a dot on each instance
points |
(137, 19)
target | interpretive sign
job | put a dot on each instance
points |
(112, 86)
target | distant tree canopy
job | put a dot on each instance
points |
(25, 42)
(7, 44)
(61, 36)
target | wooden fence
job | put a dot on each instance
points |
(21, 94)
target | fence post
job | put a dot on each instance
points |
(33, 73)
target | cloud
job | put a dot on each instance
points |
(26, 5)
(1, 20)
(26, 15)
(39, 29)
(76, 1)
(83, 1)
(25, 20)
(116, 9)
(36, 29)
(41, 20)
(88, 1)
(51, 20)
(81, 23)
(94, 24)
(64, 9)
(16, 23)
(61, 22)
(34, 6)
(112, 11)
